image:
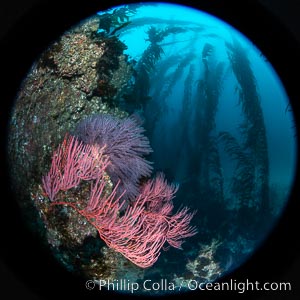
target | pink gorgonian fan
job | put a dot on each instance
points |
(72, 162)
(140, 231)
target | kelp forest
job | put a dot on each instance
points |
(179, 79)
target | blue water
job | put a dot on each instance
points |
(201, 29)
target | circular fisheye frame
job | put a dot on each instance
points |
(156, 146)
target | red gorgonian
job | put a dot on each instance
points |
(138, 231)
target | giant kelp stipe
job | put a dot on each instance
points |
(183, 113)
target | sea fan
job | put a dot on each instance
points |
(125, 144)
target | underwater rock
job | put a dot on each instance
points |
(55, 95)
